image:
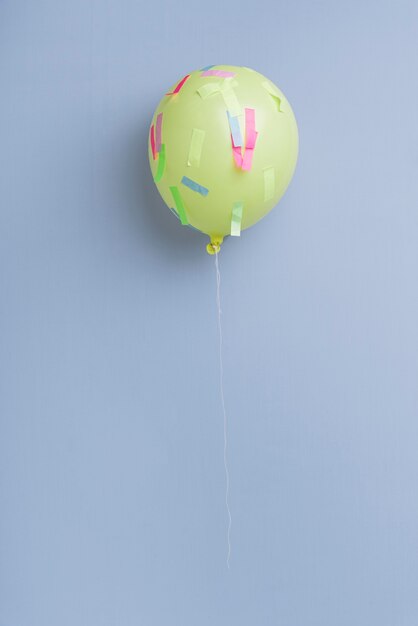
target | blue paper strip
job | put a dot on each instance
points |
(235, 130)
(208, 67)
(194, 186)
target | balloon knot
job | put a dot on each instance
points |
(214, 247)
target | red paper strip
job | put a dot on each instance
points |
(178, 87)
(152, 140)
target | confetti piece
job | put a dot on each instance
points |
(236, 219)
(208, 67)
(219, 73)
(235, 130)
(269, 183)
(178, 201)
(161, 164)
(245, 162)
(250, 139)
(250, 128)
(274, 93)
(247, 159)
(228, 94)
(152, 141)
(158, 131)
(208, 90)
(236, 153)
(195, 148)
(178, 87)
(277, 102)
(236, 149)
(191, 184)
(231, 100)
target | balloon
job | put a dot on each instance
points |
(223, 147)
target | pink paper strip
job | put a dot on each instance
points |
(178, 87)
(219, 73)
(251, 139)
(249, 128)
(236, 153)
(248, 155)
(245, 162)
(152, 140)
(158, 131)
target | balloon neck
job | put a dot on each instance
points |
(214, 247)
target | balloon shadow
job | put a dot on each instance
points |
(157, 229)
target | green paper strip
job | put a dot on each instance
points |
(195, 148)
(236, 219)
(178, 201)
(161, 164)
(269, 183)
(208, 90)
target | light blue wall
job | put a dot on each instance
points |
(112, 484)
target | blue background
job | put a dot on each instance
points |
(112, 483)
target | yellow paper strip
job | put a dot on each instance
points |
(208, 89)
(195, 148)
(231, 100)
(269, 183)
(274, 93)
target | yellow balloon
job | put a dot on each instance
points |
(223, 147)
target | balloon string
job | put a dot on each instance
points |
(221, 385)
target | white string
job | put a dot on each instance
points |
(221, 384)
